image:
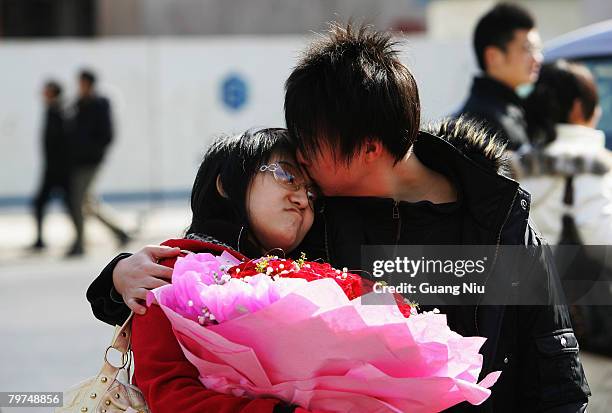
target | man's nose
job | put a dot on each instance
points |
(537, 56)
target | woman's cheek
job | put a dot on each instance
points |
(308, 221)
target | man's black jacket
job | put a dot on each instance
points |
(498, 108)
(91, 130)
(533, 346)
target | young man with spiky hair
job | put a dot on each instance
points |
(507, 47)
(353, 109)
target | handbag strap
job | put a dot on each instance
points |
(108, 392)
(122, 338)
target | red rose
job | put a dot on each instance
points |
(243, 270)
(352, 284)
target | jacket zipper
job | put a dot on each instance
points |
(495, 256)
(397, 217)
(327, 256)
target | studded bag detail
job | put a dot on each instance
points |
(110, 391)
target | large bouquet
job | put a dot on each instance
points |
(297, 331)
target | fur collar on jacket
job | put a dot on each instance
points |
(474, 141)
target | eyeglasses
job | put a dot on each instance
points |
(287, 175)
(531, 48)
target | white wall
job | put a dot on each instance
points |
(166, 98)
(222, 17)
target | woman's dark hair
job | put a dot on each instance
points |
(348, 87)
(88, 75)
(235, 160)
(54, 87)
(558, 86)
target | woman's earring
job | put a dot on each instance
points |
(239, 236)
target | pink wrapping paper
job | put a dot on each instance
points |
(315, 348)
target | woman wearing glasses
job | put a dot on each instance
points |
(249, 197)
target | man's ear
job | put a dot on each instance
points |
(492, 56)
(373, 148)
(220, 187)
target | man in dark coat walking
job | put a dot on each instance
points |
(56, 168)
(507, 47)
(91, 133)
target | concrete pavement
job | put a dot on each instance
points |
(50, 339)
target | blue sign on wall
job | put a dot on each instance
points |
(234, 92)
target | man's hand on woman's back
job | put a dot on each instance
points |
(135, 275)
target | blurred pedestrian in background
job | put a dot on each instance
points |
(91, 133)
(507, 47)
(55, 176)
(568, 176)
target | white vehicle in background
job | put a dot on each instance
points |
(591, 45)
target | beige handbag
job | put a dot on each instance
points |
(110, 391)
